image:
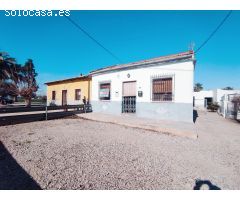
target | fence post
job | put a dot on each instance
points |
(46, 113)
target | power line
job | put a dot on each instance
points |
(92, 38)
(216, 29)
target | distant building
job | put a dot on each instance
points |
(218, 94)
(202, 99)
(222, 97)
(69, 91)
(229, 109)
(158, 88)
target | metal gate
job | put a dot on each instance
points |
(129, 104)
(129, 97)
(232, 110)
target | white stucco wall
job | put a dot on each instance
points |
(222, 97)
(219, 93)
(182, 81)
(199, 97)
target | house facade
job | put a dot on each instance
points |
(159, 88)
(218, 94)
(227, 108)
(70, 91)
(202, 98)
(222, 97)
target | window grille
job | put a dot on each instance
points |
(162, 89)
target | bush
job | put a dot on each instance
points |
(52, 103)
(213, 107)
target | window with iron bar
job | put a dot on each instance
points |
(162, 89)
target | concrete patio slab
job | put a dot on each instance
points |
(174, 128)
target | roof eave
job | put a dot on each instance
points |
(178, 60)
(69, 79)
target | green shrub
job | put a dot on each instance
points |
(213, 107)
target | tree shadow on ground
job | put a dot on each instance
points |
(12, 175)
(205, 185)
(195, 115)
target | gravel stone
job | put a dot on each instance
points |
(82, 154)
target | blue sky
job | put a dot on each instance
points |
(59, 50)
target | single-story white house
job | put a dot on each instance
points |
(227, 108)
(222, 97)
(202, 98)
(159, 88)
(218, 94)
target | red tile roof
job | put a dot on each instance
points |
(69, 80)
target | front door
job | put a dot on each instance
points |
(64, 97)
(207, 101)
(129, 97)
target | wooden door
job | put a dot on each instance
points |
(64, 97)
(129, 97)
(129, 89)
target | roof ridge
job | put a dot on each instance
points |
(156, 59)
(68, 79)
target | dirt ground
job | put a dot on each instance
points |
(83, 154)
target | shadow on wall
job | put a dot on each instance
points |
(12, 175)
(205, 185)
(195, 115)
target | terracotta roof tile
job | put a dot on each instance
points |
(68, 79)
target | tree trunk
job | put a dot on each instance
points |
(28, 102)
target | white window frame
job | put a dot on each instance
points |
(79, 95)
(154, 77)
(104, 82)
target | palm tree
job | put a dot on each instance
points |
(9, 75)
(198, 87)
(16, 79)
(3, 66)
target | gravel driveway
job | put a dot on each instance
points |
(82, 154)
